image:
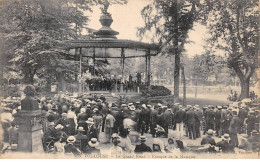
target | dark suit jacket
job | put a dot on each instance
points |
(71, 149)
(242, 114)
(92, 132)
(168, 117)
(82, 117)
(207, 140)
(190, 117)
(235, 125)
(210, 116)
(142, 148)
(218, 116)
(179, 116)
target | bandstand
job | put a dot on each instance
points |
(105, 45)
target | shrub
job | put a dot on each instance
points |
(156, 91)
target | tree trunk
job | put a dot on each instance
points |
(244, 84)
(184, 87)
(177, 56)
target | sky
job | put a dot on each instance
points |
(127, 18)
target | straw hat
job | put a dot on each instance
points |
(129, 104)
(90, 121)
(93, 142)
(71, 139)
(210, 132)
(226, 137)
(81, 129)
(59, 126)
(51, 123)
(64, 114)
(144, 106)
(132, 107)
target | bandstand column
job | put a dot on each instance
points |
(80, 71)
(123, 66)
(148, 67)
(94, 55)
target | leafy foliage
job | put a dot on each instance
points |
(31, 31)
(155, 91)
(170, 20)
(234, 28)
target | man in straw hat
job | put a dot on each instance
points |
(234, 128)
(168, 118)
(92, 131)
(208, 139)
(109, 126)
(70, 148)
(115, 149)
(93, 146)
(143, 119)
(81, 139)
(153, 120)
(251, 121)
(179, 119)
(142, 147)
(225, 145)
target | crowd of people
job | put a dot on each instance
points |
(73, 124)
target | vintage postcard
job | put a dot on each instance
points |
(129, 79)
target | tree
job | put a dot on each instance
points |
(234, 28)
(205, 65)
(32, 28)
(170, 21)
(31, 31)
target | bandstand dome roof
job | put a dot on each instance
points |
(105, 38)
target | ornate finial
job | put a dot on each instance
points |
(105, 8)
(106, 20)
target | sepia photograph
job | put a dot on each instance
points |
(129, 79)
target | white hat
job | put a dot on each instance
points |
(115, 135)
(81, 129)
(144, 106)
(90, 121)
(93, 142)
(95, 109)
(226, 137)
(210, 132)
(219, 107)
(51, 123)
(164, 107)
(129, 104)
(59, 126)
(132, 107)
(159, 104)
(71, 139)
(82, 110)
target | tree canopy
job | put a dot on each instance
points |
(233, 25)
